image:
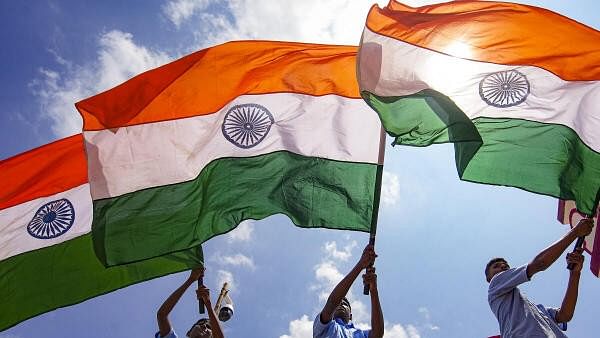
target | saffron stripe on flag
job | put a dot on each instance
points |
(529, 35)
(205, 81)
(55, 167)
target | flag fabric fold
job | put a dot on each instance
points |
(515, 88)
(568, 214)
(242, 130)
(47, 259)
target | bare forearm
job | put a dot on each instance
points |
(339, 292)
(549, 255)
(376, 315)
(217, 332)
(170, 302)
(567, 308)
(163, 312)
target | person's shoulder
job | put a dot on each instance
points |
(508, 274)
(320, 328)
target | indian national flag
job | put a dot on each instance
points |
(47, 258)
(515, 87)
(568, 214)
(239, 131)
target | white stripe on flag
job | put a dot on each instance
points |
(407, 69)
(156, 154)
(14, 236)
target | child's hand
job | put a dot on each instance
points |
(196, 274)
(368, 257)
(370, 279)
(203, 294)
(576, 258)
(584, 227)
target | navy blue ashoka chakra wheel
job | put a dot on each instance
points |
(52, 219)
(246, 125)
(504, 89)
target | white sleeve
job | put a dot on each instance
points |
(506, 281)
(319, 329)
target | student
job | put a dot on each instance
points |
(517, 316)
(334, 321)
(203, 328)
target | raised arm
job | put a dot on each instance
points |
(370, 279)
(341, 289)
(567, 309)
(545, 258)
(204, 296)
(162, 315)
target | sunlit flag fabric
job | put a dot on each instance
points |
(242, 130)
(514, 87)
(47, 258)
(568, 214)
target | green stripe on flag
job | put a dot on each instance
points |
(312, 192)
(68, 273)
(547, 159)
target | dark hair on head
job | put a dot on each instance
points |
(200, 322)
(347, 302)
(491, 262)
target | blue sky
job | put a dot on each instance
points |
(435, 232)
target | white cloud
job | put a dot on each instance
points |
(412, 331)
(179, 11)
(225, 276)
(398, 331)
(390, 188)
(316, 21)
(119, 58)
(425, 312)
(242, 233)
(327, 276)
(300, 328)
(332, 21)
(344, 254)
(237, 260)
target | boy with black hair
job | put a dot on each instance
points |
(203, 328)
(334, 321)
(517, 316)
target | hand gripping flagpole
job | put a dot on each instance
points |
(376, 196)
(578, 244)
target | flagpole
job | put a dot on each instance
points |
(578, 244)
(201, 309)
(376, 195)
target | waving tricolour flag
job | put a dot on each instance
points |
(238, 131)
(515, 87)
(47, 258)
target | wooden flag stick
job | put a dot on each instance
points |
(376, 195)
